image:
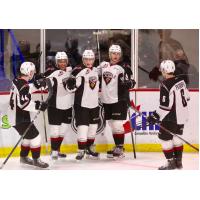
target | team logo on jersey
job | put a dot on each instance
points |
(87, 71)
(61, 73)
(107, 76)
(92, 82)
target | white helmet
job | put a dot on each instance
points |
(26, 68)
(115, 49)
(167, 66)
(88, 54)
(61, 56)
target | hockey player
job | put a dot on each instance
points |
(116, 80)
(22, 107)
(86, 106)
(60, 105)
(173, 114)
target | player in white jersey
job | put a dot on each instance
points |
(116, 80)
(86, 105)
(173, 114)
(60, 105)
(22, 108)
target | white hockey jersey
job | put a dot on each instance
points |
(87, 83)
(111, 89)
(61, 98)
(174, 97)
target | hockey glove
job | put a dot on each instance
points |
(104, 64)
(129, 83)
(71, 83)
(39, 76)
(40, 105)
(153, 118)
(40, 83)
(154, 74)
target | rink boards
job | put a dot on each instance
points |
(145, 137)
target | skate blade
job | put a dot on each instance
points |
(40, 168)
(26, 166)
(79, 161)
(119, 157)
(110, 156)
(89, 157)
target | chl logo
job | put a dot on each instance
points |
(5, 122)
(107, 76)
(92, 82)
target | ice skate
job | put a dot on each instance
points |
(80, 155)
(178, 162)
(117, 152)
(26, 160)
(171, 164)
(54, 155)
(61, 155)
(91, 154)
(39, 163)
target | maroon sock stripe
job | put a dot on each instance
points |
(36, 149)
(55, 139)
(25, 147)
(180, 148)
(79, 142)
(119, 135)
(60, 138)
(168, 151)
(90, 140)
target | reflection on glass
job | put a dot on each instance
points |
(75, 41)
(16, 46)
(157, 45)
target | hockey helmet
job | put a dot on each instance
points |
(115, 49)
(88, 54)
(61, 56)
(167, 66)
(26, 68)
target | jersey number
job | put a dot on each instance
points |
(184, 102)
(11, 101)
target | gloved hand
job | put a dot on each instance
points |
(104, 64)
(71, 83)
(40, 83)
(129, 83)
(154, 74)
(40, 105)
(153, 118)
(39, 76)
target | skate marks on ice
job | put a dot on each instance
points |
(144, 161)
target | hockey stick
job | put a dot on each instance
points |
(30, 125)
(132, 139)
(173, 134)
(43, 113)
(45, 128)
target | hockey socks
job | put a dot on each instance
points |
(90, 142)
(24, 151)
(56, 143)
(35, 152)
(118, 138)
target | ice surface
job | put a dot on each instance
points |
(144, 161)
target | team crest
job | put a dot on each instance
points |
(87, 71)
(92, 82)
(107, 76)
(60, 73)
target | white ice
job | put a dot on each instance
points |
(144, 161)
